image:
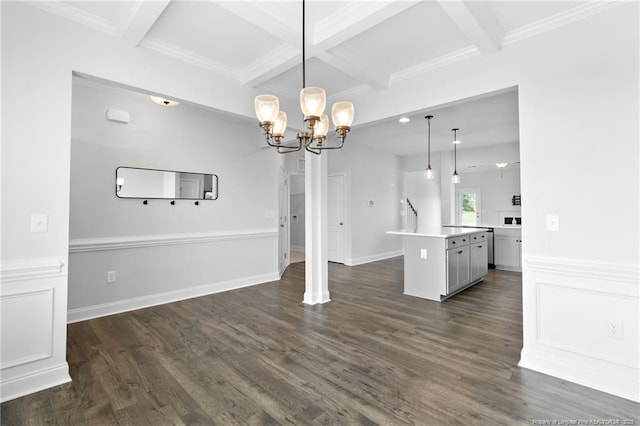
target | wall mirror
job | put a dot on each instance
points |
(133, 182)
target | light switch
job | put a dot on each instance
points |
(553, 223)
(39, 222)
(423, 253)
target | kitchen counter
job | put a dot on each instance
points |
(444, 232)
(485, 226)
(441, 262)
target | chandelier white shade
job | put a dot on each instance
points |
(267, 108)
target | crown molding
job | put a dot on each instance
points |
(274, 62)
(68, 11)
(439, 62)
(189, 57)
(560, 19)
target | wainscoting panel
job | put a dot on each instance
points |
(32, 341)
(582, 323)
(33, 305)
(152, 270)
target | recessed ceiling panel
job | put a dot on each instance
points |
(515, 14)
(212, 32)
(414, 36)
(483, 121)
(111, 11)
(289, 83)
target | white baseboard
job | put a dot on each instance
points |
(34, 381)
(96, 311)
(624, 384)
(372, 258)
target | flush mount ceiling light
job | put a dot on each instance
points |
(428, 172)
(164, 101)
(404, 119)
(501, 166)
(312, 102)
(455, 178)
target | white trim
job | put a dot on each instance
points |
(33, 382)
(440, 61)
(559, 20)
(30, 269)
(189, 57)
(372, 258)
(624, 273)
(140, 241)
(96, 311)
(624, 384)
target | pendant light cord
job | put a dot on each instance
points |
(304, 82)
(429, 143)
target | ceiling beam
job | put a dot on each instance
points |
(478, 22)
(145, 17)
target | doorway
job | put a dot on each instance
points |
(468, 206)
(335, 218)
(297, 217)
(283, 225)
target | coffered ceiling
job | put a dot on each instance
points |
(352, 46)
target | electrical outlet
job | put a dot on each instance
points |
(423, 253)
(614, 330)
(111, 277)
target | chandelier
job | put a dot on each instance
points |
(312, 102)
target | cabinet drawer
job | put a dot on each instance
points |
(458, 241)
(479, 237)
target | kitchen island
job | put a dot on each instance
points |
(441, 262)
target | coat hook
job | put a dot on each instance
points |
(173, 202)
(145, 202)
(197, 203)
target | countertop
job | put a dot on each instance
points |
(484, 225)
(443, 232)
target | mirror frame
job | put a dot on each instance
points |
(214, 188)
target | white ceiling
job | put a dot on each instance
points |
(352, 46)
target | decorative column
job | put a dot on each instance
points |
(316, 259)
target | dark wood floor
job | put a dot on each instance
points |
(259, 356)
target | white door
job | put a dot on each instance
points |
(283, 224)
(468, 206)
(335, 218)
(189, 188)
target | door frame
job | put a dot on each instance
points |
(283, 209)
(346, 232)
(289, 175)
(458, 204)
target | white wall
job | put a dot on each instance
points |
(488, 179)
(297, 207)
(579, 127)
(373, 176)
(495, 192)
(161, 250)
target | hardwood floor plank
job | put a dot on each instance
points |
(258, 356)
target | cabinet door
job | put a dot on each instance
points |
(458, 268)
(464, 267)
(452, 270)
(507, 252)
(479, 260)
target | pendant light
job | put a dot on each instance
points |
(455, 178)
(428, 172)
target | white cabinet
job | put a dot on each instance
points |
(508, 249)
(458, 269)
(478, 254)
